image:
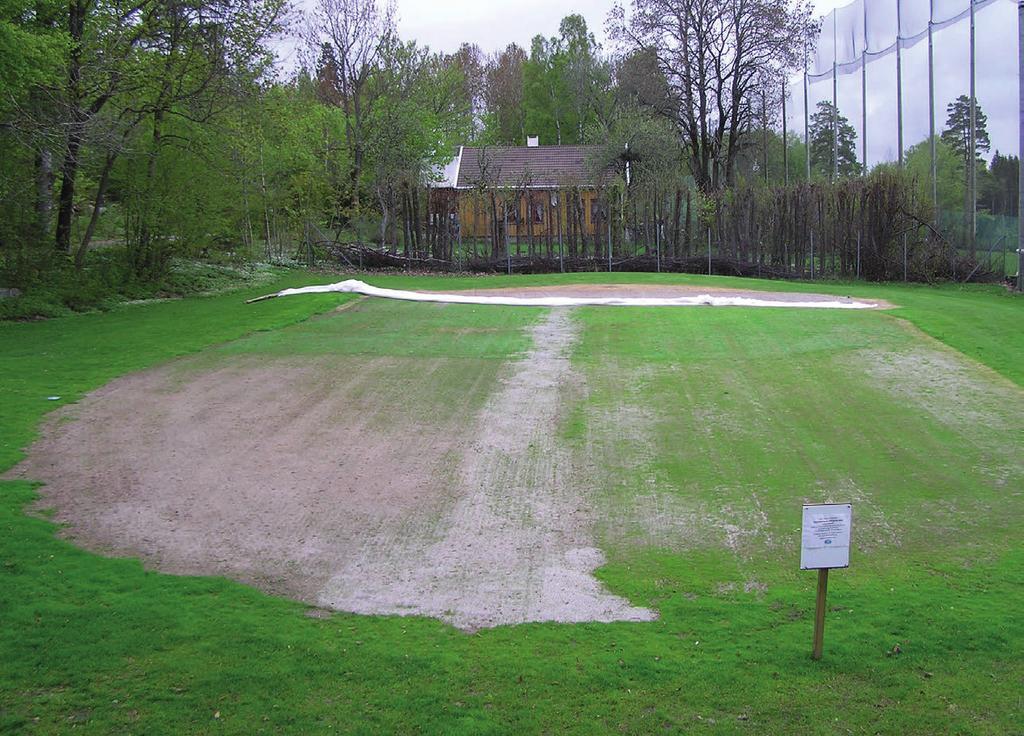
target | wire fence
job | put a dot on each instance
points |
(872, 228)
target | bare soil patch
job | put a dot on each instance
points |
(347, 482)
(516, 546)
(658, 291)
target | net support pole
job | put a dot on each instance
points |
(508, 251)
(864, 95)
(972, 149)
(807, 123)
(864, 112)
(610, 237)
(557, 213)
(818, 643)
(835, 103)
(899, 83)
(931, 108)
(899, 106)
(764, 132)
(709, 251)
(657, 234)
(1020, 136)
(785, 138)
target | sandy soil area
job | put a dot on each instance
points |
(322, 479)
(659, 291)
(516, 545)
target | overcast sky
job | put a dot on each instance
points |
(493, 24)
(996, 77)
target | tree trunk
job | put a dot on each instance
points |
(101, 190)
(675, 222)
(44, 192)
(383, 219)
(69, 167)
(417, 241)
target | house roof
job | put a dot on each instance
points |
(522, 166)
(446, 176)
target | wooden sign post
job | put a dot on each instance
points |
(824, 544)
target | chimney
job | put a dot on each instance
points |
(532, 141)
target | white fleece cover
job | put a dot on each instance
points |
(354, 286)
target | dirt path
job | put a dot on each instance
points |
(516, 546)
(364, 484)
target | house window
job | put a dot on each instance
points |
(538, 212)
(596, 214)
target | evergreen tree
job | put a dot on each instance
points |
(822, 143)
(957, 134)
(999, 190)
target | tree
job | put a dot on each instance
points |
(545, 93)
(565, 84)
(469, 60)
(100, 65)
(1000, 190)
(196, 55)
(31, 58)
(713, 53)
(505, 122)
(823, 143)
(957, 134)
(949, 179)
(421, 114)
(350, 36)
(30, 47)
(587, 77)
(640, 82)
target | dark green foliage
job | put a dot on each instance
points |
(823, 151)
(957, 134)
(109, 279)
(999, 190)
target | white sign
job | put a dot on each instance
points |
(825, 541)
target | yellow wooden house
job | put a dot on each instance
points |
(530, 191)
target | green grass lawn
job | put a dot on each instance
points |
(728, 417)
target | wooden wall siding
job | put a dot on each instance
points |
(475, 215)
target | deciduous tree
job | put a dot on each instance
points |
(353, 35)
(712, 54)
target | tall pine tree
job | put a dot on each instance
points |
(822, 143)
(958, 130)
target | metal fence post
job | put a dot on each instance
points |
(812, 255)
(835, 100)
(807, 123)
(1020, 137)
(899, 83)
(858, 254)
(864, 94)
(973, 148)
(709, 251)
(609, 239)
(931, 109)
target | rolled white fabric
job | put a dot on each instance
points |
(354, 286)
